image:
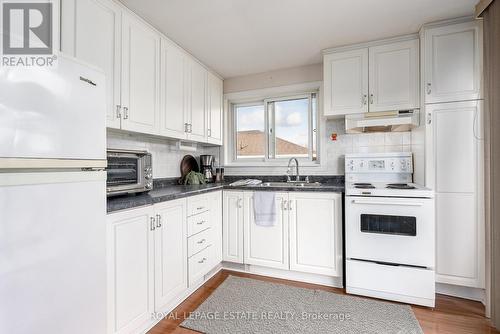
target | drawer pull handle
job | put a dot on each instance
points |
(201, 241)
(200, 223)
(202, 260)
(200, 208)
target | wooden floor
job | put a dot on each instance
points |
(451, 315)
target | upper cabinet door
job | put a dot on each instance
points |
(215, 107)
(140, 76)
(172, 113)
(453, 63)
(91, 31)
(197, 76)
(394, 76)
(346, 82)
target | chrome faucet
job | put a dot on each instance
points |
(297, 176)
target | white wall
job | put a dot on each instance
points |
(285, 77)
(166, 157)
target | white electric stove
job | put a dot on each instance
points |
(390, 231)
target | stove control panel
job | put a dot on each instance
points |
(378, 165)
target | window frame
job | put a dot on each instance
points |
(265, 102)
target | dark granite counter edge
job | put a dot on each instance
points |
(129, 202)
(168, 190)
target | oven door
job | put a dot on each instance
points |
(390, 230)
(125, 174)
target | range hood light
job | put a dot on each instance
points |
(386, 121)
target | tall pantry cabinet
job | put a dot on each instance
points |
(451, 84)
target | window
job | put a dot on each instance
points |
(275, 128)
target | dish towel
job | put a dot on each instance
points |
(264, 206)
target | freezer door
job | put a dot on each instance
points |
(52, 113)
(53, 253)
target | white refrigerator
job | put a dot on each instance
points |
(52, 199)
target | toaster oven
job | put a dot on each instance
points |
(128, 172)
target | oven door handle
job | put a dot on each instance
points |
(354, 201)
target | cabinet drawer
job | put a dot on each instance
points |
(199, 265)
(197, 204)
(198, 223)
(199, 241)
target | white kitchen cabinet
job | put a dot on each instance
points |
(345, 80)
(130, 269)
(214, 110)
(232, 226)
(394, 76)
(98, 44)
(266, 245)
(316, 233)
(172, 112)
(170, 251)
(454, 169)
(381, 77)
(140, 76)
(196, 104)
(215, 204)
(453, 62)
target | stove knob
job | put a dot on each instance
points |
(403, 165)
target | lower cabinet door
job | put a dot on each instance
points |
(232, 227)
(266, 245)
(170, 252)
(130, 270)
(316, 233)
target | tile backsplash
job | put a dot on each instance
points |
(166, 156)
(359, 143)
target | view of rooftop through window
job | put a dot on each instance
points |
(290, 123)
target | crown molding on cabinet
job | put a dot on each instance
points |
(162, 35)
(377, 42)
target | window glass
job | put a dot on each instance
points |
(292, 130)
(250, 131)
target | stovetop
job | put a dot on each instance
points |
(383, 189)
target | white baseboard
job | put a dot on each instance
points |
(335, 282)
(461, 292)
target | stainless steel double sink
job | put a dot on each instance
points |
(286, 185)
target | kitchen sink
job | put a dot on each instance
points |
(287, 185)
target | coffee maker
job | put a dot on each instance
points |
(207, 163)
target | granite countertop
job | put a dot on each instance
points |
(166, 190)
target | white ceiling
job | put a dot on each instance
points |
(238, 37)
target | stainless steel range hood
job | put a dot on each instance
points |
(385, 121)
